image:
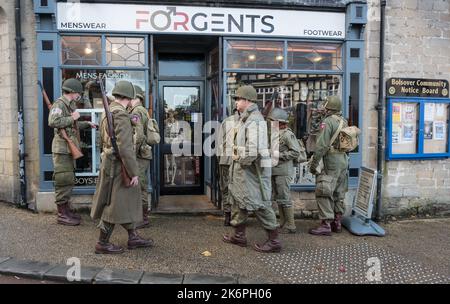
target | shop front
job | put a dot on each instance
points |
(189, 60)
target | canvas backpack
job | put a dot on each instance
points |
(348, 136)
(152, 132)
(302, 156)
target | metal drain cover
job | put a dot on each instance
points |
(350, 264)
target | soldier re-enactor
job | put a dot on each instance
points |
(146, 133)
(288, 151)
(63, 116)
(250, 174)
(113, 202)
(225, 160)
(332, 182)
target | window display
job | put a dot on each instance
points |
(301, 95)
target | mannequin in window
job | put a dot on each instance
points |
(171, 133)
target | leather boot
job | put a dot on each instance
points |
(103, 245)
(146, 222)
(227, 220)
(323, 229)
(72, 213)
(289, 227)
(273, 244)
(63, 216)
(336, 224)
(136, 241)
(238, 238)
(282, 216)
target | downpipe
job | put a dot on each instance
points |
(380, 109)
(20, 112)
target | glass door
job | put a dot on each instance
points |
(181, 121)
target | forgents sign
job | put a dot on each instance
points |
(199, 20)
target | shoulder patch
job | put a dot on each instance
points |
(56, 111)
(135, 118)
(323, 125)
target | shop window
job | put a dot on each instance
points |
(91, 109)
(417, 128)
(255, 54)
(301, 95)
(81, 50)
(314, 56)
(125, 51)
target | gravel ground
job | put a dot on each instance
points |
(180, 241)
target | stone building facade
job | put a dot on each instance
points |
(417, 45)
(9, 181)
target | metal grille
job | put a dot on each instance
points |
(350, 264)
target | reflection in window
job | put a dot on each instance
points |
(125, 51)
(314, 56)
(181, 170)
(89, 79)
(255, 54)
(181, 104)
(301, 95)
(81, 50)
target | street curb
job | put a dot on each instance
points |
(104, 275)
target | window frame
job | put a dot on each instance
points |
(285, 70)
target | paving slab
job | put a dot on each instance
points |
(31, 269)
(118, 276)
(59, 273)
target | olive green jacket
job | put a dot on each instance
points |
(140, 120)
(60, 118)
(113, 202)
(289, 149)
(250, 172)
(325, 149)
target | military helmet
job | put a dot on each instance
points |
(278, 114)
(124, 88)
(247, 92)
(333, 103)
(139, 92)
(72, 85)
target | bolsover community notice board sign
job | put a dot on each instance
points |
(95, 17)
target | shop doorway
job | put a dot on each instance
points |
(184, 178)
(181, 116)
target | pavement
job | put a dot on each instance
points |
(413, 251)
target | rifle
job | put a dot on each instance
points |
(271, 103)
(123, 171)
(74, 150)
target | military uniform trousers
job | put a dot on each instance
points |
(224, 171)
(144, 165)
(63, 177)
(281, 191)
(266, 216)
(330, 192)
